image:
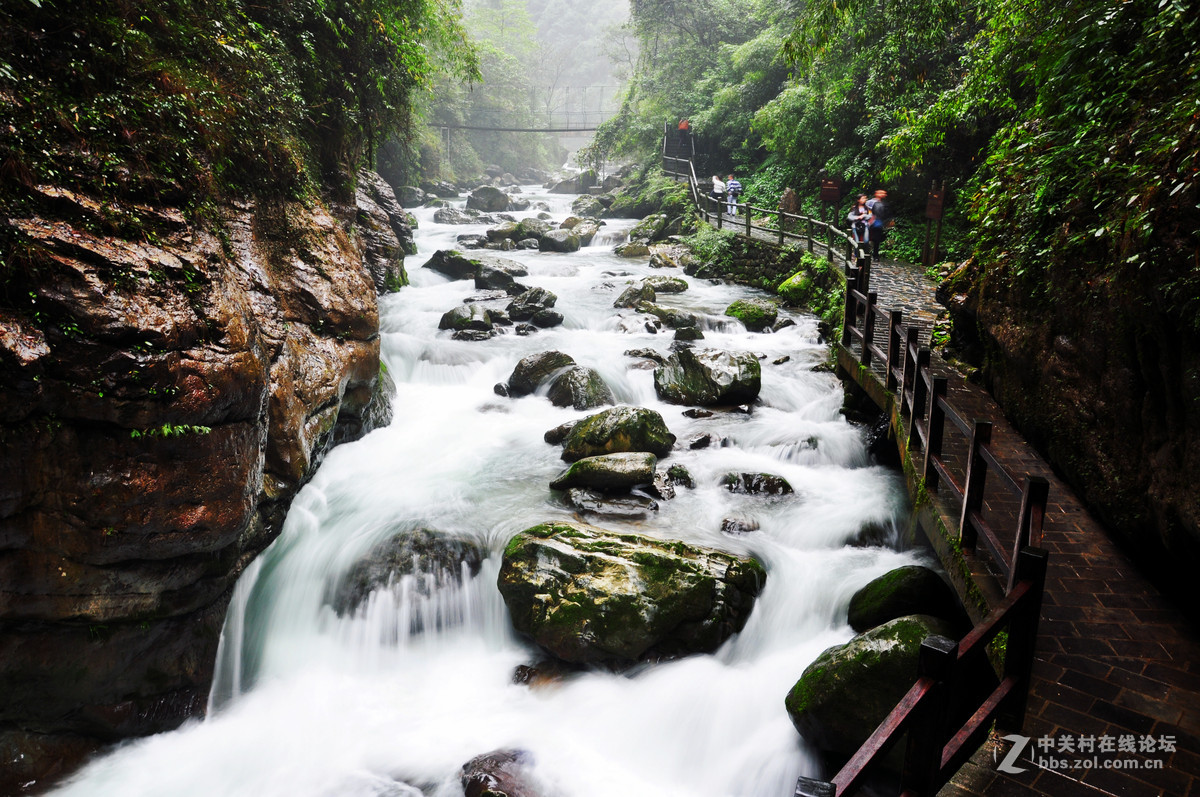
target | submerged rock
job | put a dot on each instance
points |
(500, 773)
(608, 472)
(629, 507)
(431, 558)
(756, 484)
(588, 595)
(708, 376)
(617, 430)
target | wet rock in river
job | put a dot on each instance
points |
(628, 507)
(755, 314)
(666, 284)
(708, 376)
(547, 318)
(649, 354)
(756, 484)
(432, 558)
(500, 274)
(500, 773)
(559, 433)
(912, 589)
(560, 241)
(466, 316)
(524, 306)
(535, 370)
(681, 477)
(453, 264)
(620, 429)
(672, 317)
(631, 249)
(608, 472)
(738, 525)
(488, 199)
(588, 595)
(581, 388)
(634, 295)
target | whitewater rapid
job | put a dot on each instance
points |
(307, 703)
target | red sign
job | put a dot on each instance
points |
(933, 206)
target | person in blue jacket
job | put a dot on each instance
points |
(733, 189)
(881, 221)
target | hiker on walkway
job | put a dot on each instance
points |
(718, 191)
(860, 218)
(881, 221)
(733, 190)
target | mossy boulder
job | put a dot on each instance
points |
(667, 284)
(843, 696)
(560, 241)
(672, 317)
(905, 591)
(608, 472)
(631, 249)
(591, 596)
(649, 229)
(587, 206)
(579, 387)
(586, 231)
(755, 314)
(708, 377)
(466, 316)
(618, 430)
(453, 264)
(535, 370)
(637, 293)
(500, 274)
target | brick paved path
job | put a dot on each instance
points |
(1116, 663)
(1115, 660)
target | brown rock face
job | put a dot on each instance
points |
(162, 397)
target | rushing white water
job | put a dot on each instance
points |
(307, 703)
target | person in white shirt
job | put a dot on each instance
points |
(718, 192)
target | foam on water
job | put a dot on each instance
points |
(417, 681)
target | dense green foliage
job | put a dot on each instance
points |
(189, 101)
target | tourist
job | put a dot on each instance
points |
(733, 190)
(881, 221)
(860, 218)
(718, 191)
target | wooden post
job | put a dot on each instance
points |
(868, 328)
(918, 394)
(981, 435)
(850, 311)
(810, 233)
(935, 424)
(910, 369)
(895, 318)
(746, 207)
(1029, 520)
(927, 733)
(811, 787)
(1022, 637)
(779, 218)
(720, 213)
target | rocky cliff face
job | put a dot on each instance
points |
(1105, 380)
(165, 390)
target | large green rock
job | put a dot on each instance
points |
(560, 241)
(608, 471)
(708, 376)
(637, 293)
(755, 314)
(649, 229)
(616, 430)
(466, 316)
(667, 284)
(905, 591)
(588, 595)
(843, 696)
(671, 316)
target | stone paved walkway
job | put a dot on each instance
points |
(1117, 665)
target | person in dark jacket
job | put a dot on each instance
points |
(881, 221)
(733, 190)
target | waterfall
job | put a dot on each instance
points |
(390, 696)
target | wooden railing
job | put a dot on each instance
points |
(927, 407)
(938, 743)
(779, 227)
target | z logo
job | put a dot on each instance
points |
(1019, 744)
